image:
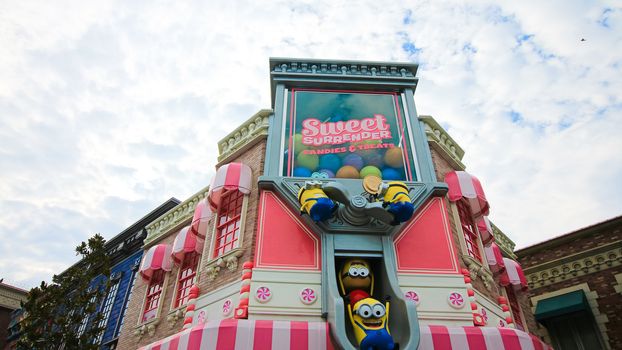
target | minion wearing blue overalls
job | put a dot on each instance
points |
(369, 320)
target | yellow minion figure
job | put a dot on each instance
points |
(356, 274)
(369, 319)
(315, 202)
(395, 197)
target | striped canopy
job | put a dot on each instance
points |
(464, 185)
(513, 275)
(485, 230)
(185, 242)
(478, 338)
(156, 258)
(232, 176)
(202, 215)
(494, 258)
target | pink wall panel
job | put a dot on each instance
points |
(283, 241)
(425, 245)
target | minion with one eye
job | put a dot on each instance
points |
(395, 197)
(315, 202)
(356, 274)
(369, 319)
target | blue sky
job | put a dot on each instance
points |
(109, 108)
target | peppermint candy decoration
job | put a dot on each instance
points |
(412, 296)
(484, 315)
(263, 294)
(202, 317)
(226, 307)
(308, 296)
(456, 300)
(501, 323)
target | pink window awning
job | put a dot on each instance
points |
(464, 185)
(494, 258)
(513, 275)
(485, 230)
(202, 215)
(229, 177)
(185, 242)
(478, 338)
(156, 258)
(234, 334)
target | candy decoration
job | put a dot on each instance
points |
(503, 302)
(308, 296)
(484, 315)
(456, 300)
(298, 146)
(309, 161)
(392, 174)
(412, 296)
(263, 294)
(247, 272)
(226, 307)
(354, 160)
(329, 174)
(330, 162)
(348, 172)
(192, 298)
(370, 170)
(478, 319)
(302, 172)
(393, 157)
(374, 158)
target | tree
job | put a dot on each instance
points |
(65, 313)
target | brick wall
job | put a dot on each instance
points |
(254, 158)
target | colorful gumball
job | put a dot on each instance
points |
(393, 157)
(328, 172)
(297, 143)
(375, 158)
(330, 162)
(348, 172)
(309, 161)
(392, 174)
(370, 170)
(353, 160)
(302, 172)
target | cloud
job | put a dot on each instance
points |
(107, 109)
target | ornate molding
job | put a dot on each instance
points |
(440, 140)
(229, 259)
(174, 217)
(10, 297)
(504, 242)
(245, 135)
(348, 68)
(574, 266)
(476, 269)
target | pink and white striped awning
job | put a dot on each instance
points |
(478, 338)
(232, 176)
(464, 185)
(485, 230)
(494, 258)
(185, 242)
(156, 258)
(202, 215)
(513, 275)
(234, 334)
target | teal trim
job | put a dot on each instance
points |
(561, 305)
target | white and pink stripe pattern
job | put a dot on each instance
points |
(513, 275)
(234, 334)
(494, 258)
(478, 338)
(485, 231)
(232, 176)
(202, 215)
(464, 185)
(185, 242)
(156, 258)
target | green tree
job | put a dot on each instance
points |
(64, 314)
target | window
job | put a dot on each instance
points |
(106, 309)
(228, 222)
(126, 303)
(154, 291)
(513, 301)
(187, 277)
(470, 233)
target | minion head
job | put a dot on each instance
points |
(356, 274)
(369, 314)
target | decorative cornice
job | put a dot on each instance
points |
(173, 218)
(576, 265)
(348, 68)
(10, 296)
(440, 140)
(245, 135)
(504, 242)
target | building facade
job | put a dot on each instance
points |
(576, 287)
(10, 299)
(337, 219)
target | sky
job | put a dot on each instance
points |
(109, 108)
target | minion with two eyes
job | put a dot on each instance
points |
(395, 197)
(369, 319)
(356, 274)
